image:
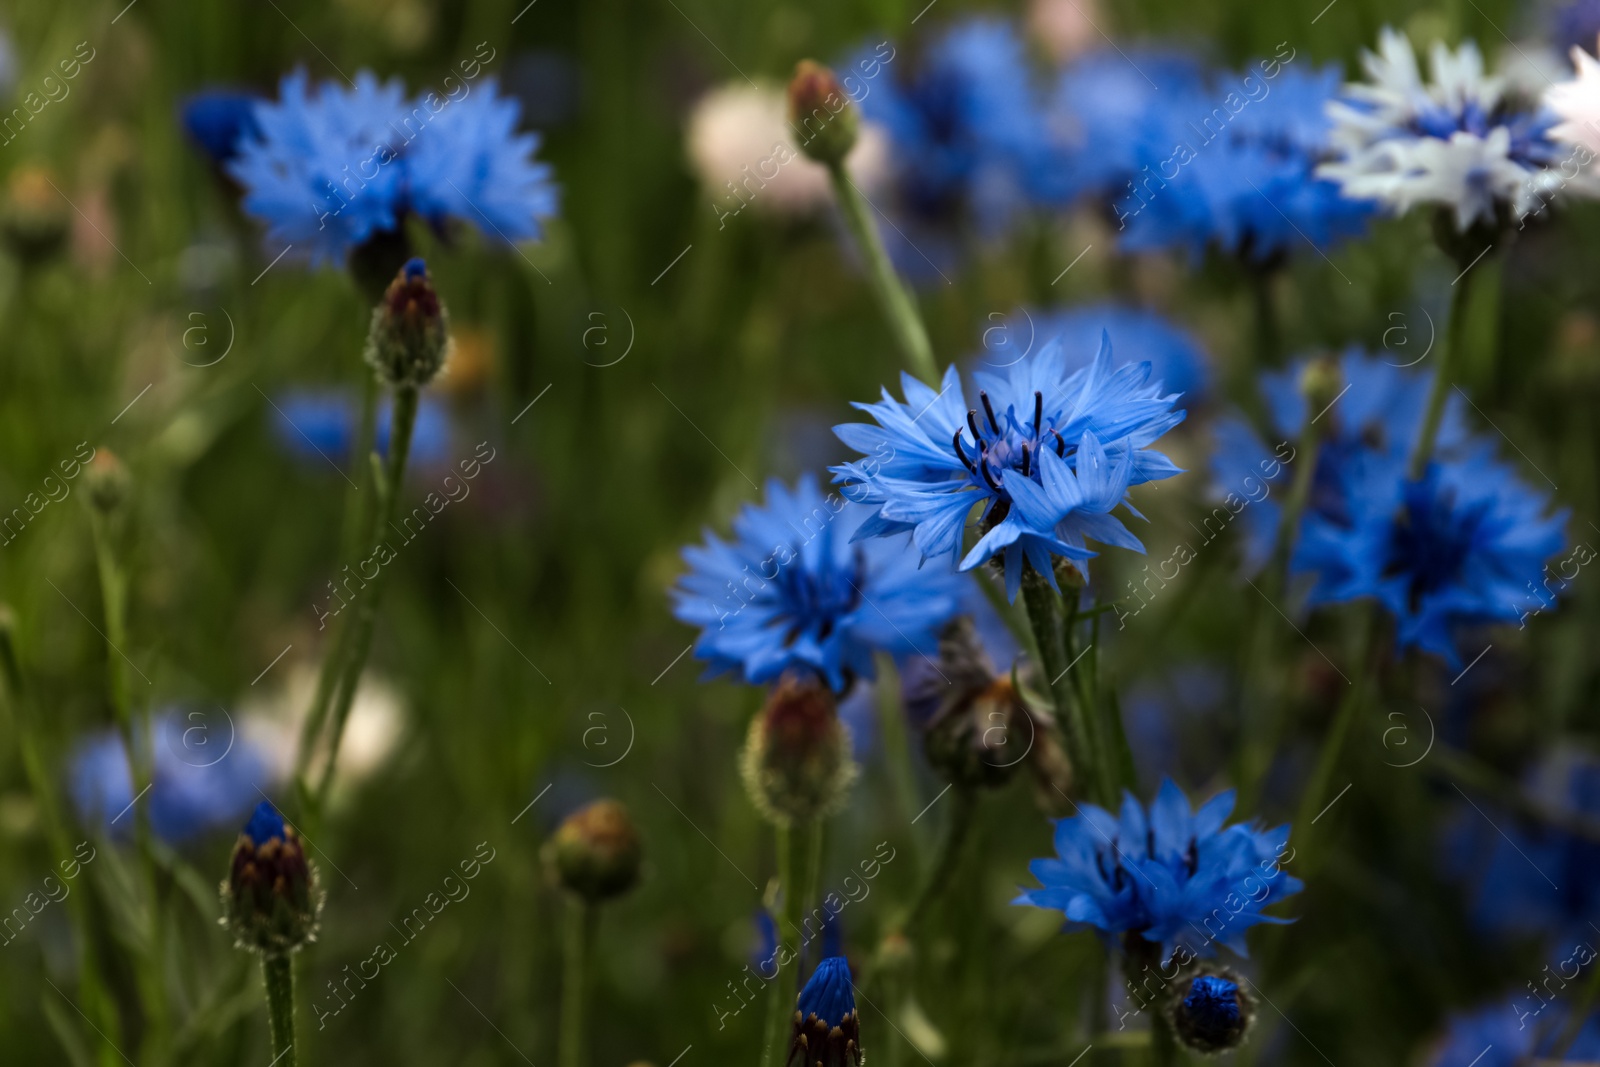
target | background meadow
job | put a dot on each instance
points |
(637, 375)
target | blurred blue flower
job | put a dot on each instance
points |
(1104, 107)
(1170, 875)
(334, 166)
(1240, 176)
(1178, 362)
(1047, 454)
(968, 144)
(1463, 545)
(1376, 417)
(794, 591)
(322, 173)
(200, 779)
(1501, 1035)
(217, 119)
(316, 426)
(473, 165)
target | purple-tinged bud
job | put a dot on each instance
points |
(595, 852)
(796, 765)
(409, 339)
(824, 119)
(271, 898)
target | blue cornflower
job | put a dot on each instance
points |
(1237, 171)
(1047, 455)
(316, 426)
(334, 166)
(322, 173)
(1178, 361)
(794, 591)
(827, 1030)
(1377, 416)
(218, 119)
(1105, 107)
(968, 140)
(471, 164)
(200, 781)
(1463, 141)
(1460, 546)
(1171, 876)
(1508, 1035)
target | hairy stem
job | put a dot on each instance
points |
(277, 974)
(1044, 617)
(895, 300)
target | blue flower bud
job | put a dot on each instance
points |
(410, 335)
(827, 1031)
(1214, 1013)
(271, 899)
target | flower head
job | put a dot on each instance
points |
(1463, 141)
(795, 592)
(827, 1030)
(271, 898)
(219, 119)
(1464, 544)
(334, 166)
(1046, 454)
(1168, 875)
(1240, 176)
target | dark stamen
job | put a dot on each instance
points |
(988, 409)
(984, 466)
(972, 424)
(1038, 413)
(961, 453)
(1061, 443)
(1024, 461)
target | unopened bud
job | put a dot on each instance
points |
(595, 852)
(824, 119)
(107, 480)
(983, 729)
(271, 898)
(1320, 383)
(796, 764)
(1212, 1012)
(35, 217)
(409, 339)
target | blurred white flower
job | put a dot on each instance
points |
(1577, 103)
(1065, 27)
(371, 734)
(1461, 141)
(743, 151)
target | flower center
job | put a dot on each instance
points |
(815, 598)
(998, 448)
(1430, 539)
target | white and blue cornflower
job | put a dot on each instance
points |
(1045, 454)
(1465, 141)
(335, 166)
(1169, 875)
(794, 592)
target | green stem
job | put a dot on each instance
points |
(1044, 617)
(1350, 709)
(784, 987)
(136, 739)
(354, 654)
(937, 877)
(896, 738)
(582, 923)
(1268, 336)
(898, 307)
(277, 974)
(91, 989)
(1439, 389)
